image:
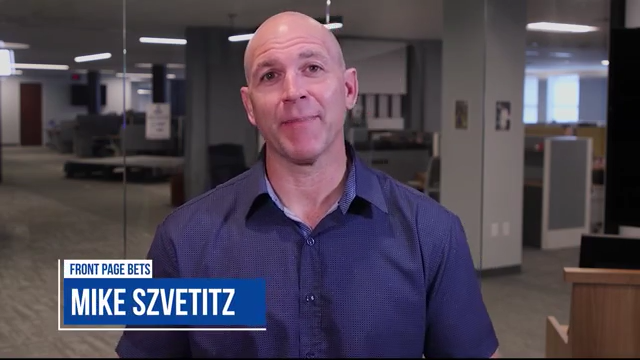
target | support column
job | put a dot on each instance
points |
(215, 114)
(415, 68)
(177, 97)
(622, 175)
(95, 93)
(482, 167)
(424, 85)
(159, 83)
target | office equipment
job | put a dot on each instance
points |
(557, 191)
(399, 153)
(604, 320)
(137, 167)
(610, 252)
(61, 136)
(92, 132)
(80, 95)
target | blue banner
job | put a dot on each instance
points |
(164, 302)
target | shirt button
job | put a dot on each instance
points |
(310, 241)
(310, 355)
(310, 297)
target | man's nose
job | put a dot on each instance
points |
(293, 89)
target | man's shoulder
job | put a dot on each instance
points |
(427, 215)
(209, 207)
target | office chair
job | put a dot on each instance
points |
(226, 161)
(432, 186)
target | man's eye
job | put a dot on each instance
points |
(314, 68)
(269, 76)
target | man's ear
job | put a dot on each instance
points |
(248, 107)
(351, 87)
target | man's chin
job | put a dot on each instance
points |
(303, 155)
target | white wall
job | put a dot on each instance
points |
(381, 65)
(503, 150)
(461, 151)
(482, 169)
(56, 102)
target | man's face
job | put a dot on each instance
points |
(297, 95)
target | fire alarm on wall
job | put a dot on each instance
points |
(75, 77)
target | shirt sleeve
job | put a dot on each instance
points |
(157, 344)
(458, 324)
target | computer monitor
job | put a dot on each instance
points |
(609, 252)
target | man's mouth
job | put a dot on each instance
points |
(298, 120)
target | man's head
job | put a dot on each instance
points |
(298, 89)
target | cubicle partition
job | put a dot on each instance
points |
(403, 155)
(557, 191)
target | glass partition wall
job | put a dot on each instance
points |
(62, 194)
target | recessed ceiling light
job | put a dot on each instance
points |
(559, 27)
(13, 46)
(165, 41)
(144, 92)
(94, 57)
(605, 62)
(40, 67)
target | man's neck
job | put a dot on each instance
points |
(309, 191)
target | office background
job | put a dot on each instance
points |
(63, 194)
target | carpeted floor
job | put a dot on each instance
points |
(44, 217)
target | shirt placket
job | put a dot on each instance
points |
(310, 285)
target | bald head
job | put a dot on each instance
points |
(289, 25)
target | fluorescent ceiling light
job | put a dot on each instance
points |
(93, 57)
(134, 75)
(247, 37)
(605, 62)
(558, 27)
(169, 66)
(85, 71)
(143, 75)
(166, 41)
(144, 92)
(560, 54)
(242, 37)
(13, 46)
(333, 26)
(40, 67)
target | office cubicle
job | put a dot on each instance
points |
(557, 191)
(402, 154)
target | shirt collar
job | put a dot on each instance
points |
(361, 183)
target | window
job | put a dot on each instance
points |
(530, 115)
(563, 98)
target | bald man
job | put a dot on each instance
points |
(356, 264)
